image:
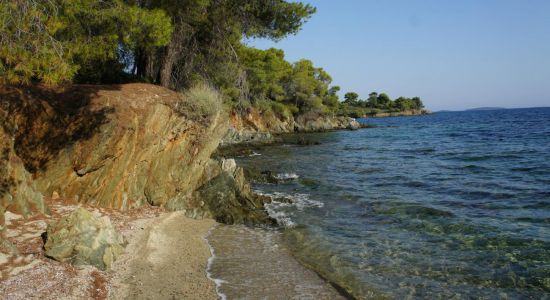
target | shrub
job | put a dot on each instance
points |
(200, 101)
(263, 106)
(281, 109)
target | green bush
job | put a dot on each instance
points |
(281, 110)
(276, 109)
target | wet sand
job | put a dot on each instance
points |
(253, 263)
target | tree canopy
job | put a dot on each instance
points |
(169, 42)
(176, 44)
(57, 41)
(353, 106)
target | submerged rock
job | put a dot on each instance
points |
(302, 141)
(84, 238)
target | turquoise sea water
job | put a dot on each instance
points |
(451, 205)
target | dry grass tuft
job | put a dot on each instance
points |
(200, 102)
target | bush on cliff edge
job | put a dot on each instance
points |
(200, 102)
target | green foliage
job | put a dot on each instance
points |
(208, 35)
(299, 87)
(285, 111)
(331, 101)
(355, 107)
(266, 73)
(52, 41)
(308, 86)
(351, 98)
(27, 47)
(273, 19)
(176, 43)
(179, 44)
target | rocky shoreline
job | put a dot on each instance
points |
(95, 161)
(255, 128)
(165, 256)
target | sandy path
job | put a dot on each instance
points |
(166, 258)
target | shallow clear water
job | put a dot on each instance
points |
(448, 205)
(253, 263)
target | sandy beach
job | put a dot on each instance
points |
(165, 258)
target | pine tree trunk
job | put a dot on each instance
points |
(171, 57)
(152, 67)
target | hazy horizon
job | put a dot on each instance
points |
(454, 55)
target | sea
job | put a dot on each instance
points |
(453, 205)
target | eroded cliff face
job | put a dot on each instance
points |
(144, 152)
(18, 192)
(254, 126)
(112, 146)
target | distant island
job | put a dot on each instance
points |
(485, 108)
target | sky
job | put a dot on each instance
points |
(453, 54)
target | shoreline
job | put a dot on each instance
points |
(217, 282)
(169, 259)
(255, 263)
(178, 268)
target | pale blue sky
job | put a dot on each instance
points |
(452, 54)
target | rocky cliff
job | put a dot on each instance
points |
(18, 192)
(125, 146)
(254, 126)
(118, 146)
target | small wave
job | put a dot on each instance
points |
(287, 176)
(416, 184)
(488, 157)
(538, 205)
(370, 170)
(217, 282)
(281, 217)
(282, 211)
(417, 211)
(470, 168)
(254, 154)
(355, 148)
(300, 201)
(534, 220)
(421, 150)
(480, 194)
(456, 134)
(523, 169)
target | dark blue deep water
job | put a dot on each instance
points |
(450, 205)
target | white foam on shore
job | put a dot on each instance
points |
(281, 217)
(217, 282)
(287, 176)
(280, 210)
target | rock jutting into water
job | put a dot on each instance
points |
(229, 199)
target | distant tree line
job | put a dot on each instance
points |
(176, 44)
(375, 103)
